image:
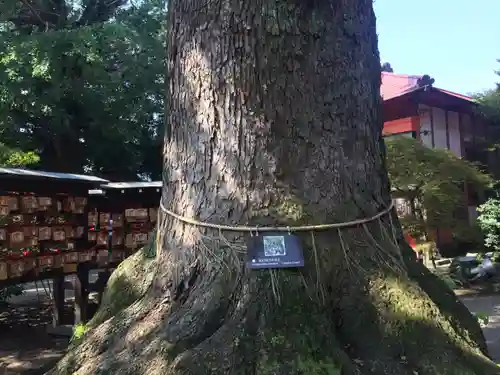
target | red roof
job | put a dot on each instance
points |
(394, 85)
(465, 97)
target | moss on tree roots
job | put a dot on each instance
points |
(362, 319)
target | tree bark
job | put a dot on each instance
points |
(273, 118)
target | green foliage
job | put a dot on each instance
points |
(468, 233)
(14, 158)
(489, 109)
(78, 332)
(10, 157)
(432, 181)
(465, 238)
(386, 67)
(83, 86)
(489, 104)
(482, 318)
(489, 221)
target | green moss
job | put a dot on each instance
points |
(289, 342)
(126, 285)
(291, 209)
(372, 321)
(410, 320)
(307, 366)
(452, 310)
(78, 332)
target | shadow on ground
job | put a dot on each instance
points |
(25, 346)
(27, 349)
(489, 305)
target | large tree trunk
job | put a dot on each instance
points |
(273, 118)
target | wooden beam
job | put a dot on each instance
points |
(81, 288)
(432, 126)
(100, 284)
(446, 117)
(461, 134)
(58, 291)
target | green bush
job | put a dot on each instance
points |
(469, 234)
(466, 238)
(456, 248)
(482, 318)
(489, 222)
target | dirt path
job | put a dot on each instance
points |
(25, 345)
(27, 349)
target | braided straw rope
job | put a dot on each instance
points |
(304, 228)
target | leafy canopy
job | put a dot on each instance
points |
(431, 179)
(386, 67)
(81, 84)
(489, 101)
(15, 158)
(489, 108)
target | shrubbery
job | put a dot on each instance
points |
(489, 221)
(431, 183)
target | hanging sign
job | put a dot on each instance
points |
(274, 250)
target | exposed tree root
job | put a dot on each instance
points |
(126, 285)
(366, 319)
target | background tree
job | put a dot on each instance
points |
(14, 158)
(83, 85)
(386, 67)
(490, 104)
(489, 101)
(489, 221)
(489, 109)
(274, 119)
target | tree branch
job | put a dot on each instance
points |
(99, 11)
(41, 22)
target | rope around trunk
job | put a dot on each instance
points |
(303, 228)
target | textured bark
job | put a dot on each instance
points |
(273, 117)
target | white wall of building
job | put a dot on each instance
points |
(425, 125)
(438, 121)
(454, 133)
(444, 125)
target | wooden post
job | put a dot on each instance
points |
(58, 308)
(102, 281)
(104, 276)
(81, 288)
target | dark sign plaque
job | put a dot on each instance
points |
(274, 250)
